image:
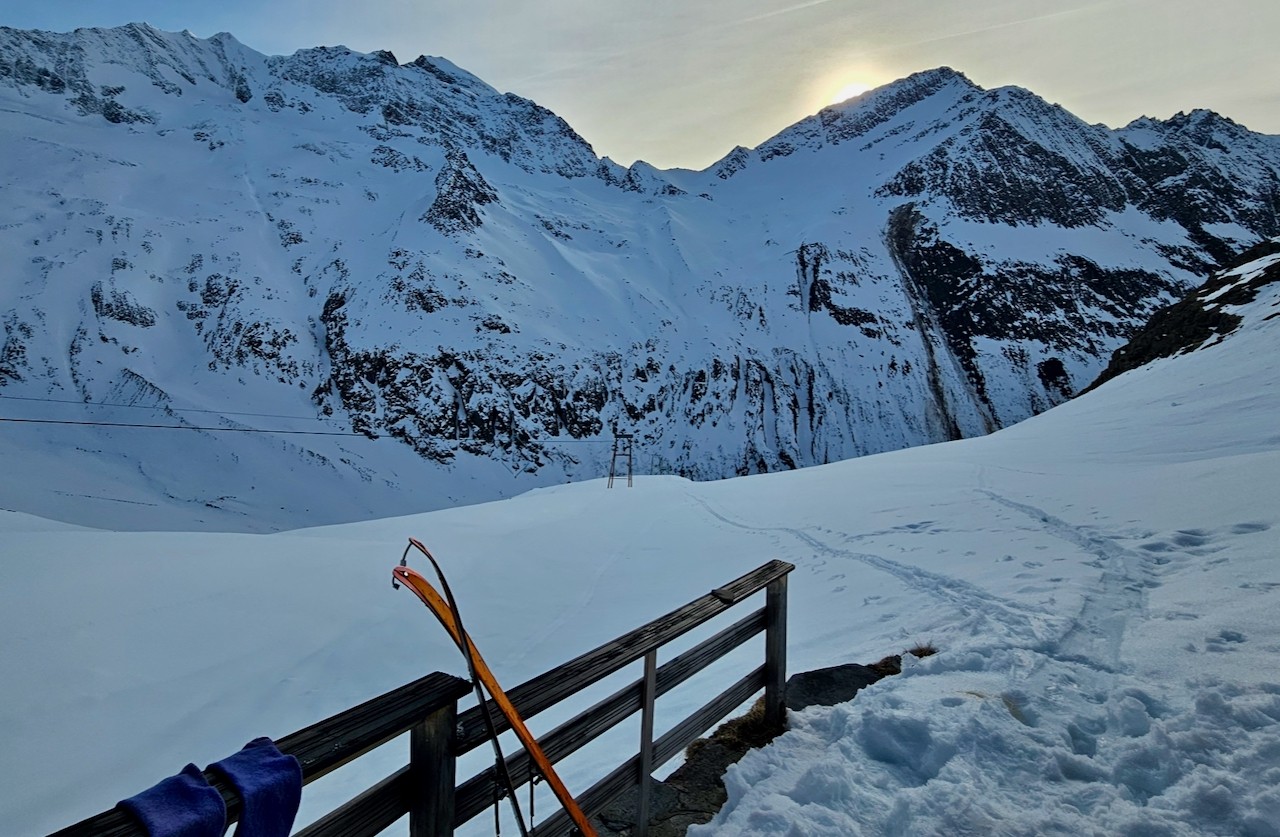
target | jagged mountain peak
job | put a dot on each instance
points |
(899, 94)
(1197, 120)
(1201, 126)
(1207, 128)
(927, 82)
(1199, 117)
(1018, 98)
(857, 118)
(450, 73)
(115, 73)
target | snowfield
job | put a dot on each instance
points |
(1101, 581)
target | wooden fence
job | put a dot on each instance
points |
(426, 788)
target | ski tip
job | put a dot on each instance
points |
(407, 575)
(410, 578)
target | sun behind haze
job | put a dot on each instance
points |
(849, 90)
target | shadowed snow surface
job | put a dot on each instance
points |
(1101, 581)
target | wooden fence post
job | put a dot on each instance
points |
(648, 694)
(432, 772)
(775, 654)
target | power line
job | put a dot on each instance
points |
(145, 407)
(182, 427)
(221, 413)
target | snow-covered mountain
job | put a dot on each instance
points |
(200, 234)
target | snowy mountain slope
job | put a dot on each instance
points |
(1203, 317)
(1101, 581)
(400, 251)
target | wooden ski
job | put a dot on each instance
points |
(436, 603)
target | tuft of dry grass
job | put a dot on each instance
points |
(892, 664)
(922, 650)
(888, 666)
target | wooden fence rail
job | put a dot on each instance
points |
(427, 709)
(426, 704)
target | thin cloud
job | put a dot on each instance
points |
(600, 59)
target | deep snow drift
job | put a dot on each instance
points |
(1101, 581)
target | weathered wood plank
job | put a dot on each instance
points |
(476, 793)
(319, 748)
(331, 743)
(688, 730)
(369, 813)
(550, 688)
(595, 798)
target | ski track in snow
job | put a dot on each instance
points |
(1090, 641)
(971, 601)
(555, 627)
(1095, 637)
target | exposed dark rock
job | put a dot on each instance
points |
(235, 335)
(829, 686)
(1197, 319)
(388, 157)
(1037, 184)
(13, 351)
(119, 305)
(1057, 309)
(460, 192)
(734, 162)
(1053, 377)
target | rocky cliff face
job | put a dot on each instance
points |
(409, 255)
(1203, 317)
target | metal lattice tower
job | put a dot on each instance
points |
(622, 447)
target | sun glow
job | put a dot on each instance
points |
(853, 88)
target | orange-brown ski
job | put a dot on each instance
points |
(437, 605)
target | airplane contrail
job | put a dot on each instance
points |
(785, 11)
(1005, 25)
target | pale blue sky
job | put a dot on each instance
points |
(681, 83)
